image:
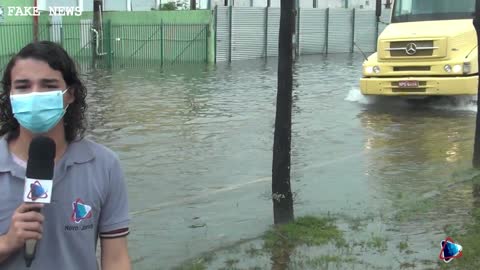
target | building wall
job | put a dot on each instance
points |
(123, 5)
(147, 5)
(108, 5)
(364, 4)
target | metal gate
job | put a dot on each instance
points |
(116, 45)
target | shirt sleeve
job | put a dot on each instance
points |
(114, 216)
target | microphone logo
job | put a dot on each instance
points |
(37, 191)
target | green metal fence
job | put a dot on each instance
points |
(118, 46)
(164, 44)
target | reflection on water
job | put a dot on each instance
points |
(196, 145)
(413, 151)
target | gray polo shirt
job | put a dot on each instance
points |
(89, 200)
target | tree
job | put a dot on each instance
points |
(281, 189)
(35, 23)
(476, 146)
(96, 26)
(168, 6)
(388, 4)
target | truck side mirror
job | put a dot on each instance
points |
(378, 8)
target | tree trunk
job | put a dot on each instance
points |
(281, 256)
(476, 147)
(388, 4)
(35, 23)
(96, 26)
(281, 189)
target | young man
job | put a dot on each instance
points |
(43, 95)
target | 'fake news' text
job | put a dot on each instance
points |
(53, 11)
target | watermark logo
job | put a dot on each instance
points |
(450, 250)
(36, 11)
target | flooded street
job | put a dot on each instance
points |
(196, 146)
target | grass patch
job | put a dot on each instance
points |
(358, 223)
(325, 260)
(310, 231)
(377, 242)
(403, 245)
(414, 209)
(470, 240)
(195, 265)
(231, 262)
(407, 265)
(252, 251)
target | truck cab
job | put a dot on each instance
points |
(428, 49)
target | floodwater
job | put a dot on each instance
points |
(196, 146)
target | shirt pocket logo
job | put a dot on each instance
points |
(80, 211)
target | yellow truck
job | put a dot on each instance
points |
(428, 49)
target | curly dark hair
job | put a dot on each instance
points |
(58, 59)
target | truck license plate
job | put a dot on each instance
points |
(407, 84)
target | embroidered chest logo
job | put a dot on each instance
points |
(81, 211)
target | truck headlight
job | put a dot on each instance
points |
(467, 68)
(457, 68)
(447, 68)
(369, 70)
(376, 69)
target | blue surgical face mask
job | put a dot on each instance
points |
(38, 112)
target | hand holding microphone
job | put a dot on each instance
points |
(26, 224)
(38, 189)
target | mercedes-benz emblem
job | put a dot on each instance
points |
(411, 49)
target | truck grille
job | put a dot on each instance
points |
(411, 48)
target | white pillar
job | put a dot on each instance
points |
(157, 4)
(80, 4)
(129, 5)
(42, 5)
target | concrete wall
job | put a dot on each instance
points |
(148, 17)
(152, 17)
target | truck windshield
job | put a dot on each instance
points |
(428, 10)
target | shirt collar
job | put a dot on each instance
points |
(78, 151)
(6, 161)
